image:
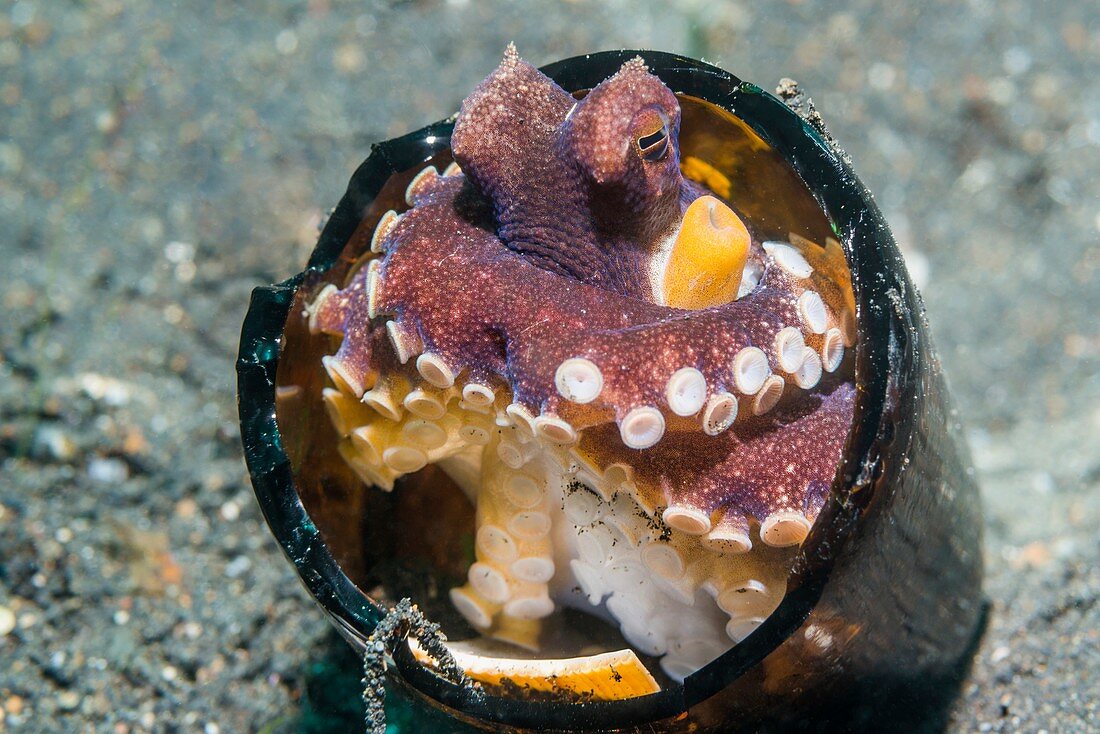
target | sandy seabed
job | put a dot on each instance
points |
(158, 160)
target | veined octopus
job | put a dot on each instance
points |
(645, 402)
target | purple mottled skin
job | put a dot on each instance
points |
(567, 185)
(537, 253)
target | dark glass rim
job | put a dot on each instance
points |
(861, 230)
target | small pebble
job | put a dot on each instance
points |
(177, 252)
(238, 567)
(7, 621)
(54, 443)
(230, 511)
(108, 471)
(110, 391)
(186, 508)
(286, 42)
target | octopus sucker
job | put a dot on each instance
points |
(789, 259)
(435, 370)
(578, 380)
(720, 413)
(422, 184)
(405, 342)
(555, 430)
(686, 519)
(388, 221)
(686, 392)
(374, 269)
(387, 396)
(750, 370)
(341, 376)
(767, 397)
(477, 394)
(344, 411)
(809, 371)
(315, 310)
(639, 392)
(785, 528)
(789, 346)
(730, 534)
(813, 311)
(832, 350)
(425, 403)
(642, 427)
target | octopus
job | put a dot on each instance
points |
(645, 402)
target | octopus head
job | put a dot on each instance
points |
(623, 134)
(585, 188)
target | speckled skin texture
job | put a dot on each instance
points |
(536, 253)
(637, 344)
(493, 277)
(566, 184)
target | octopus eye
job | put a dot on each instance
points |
(654, 146)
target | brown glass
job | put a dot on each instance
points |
(885, 599)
